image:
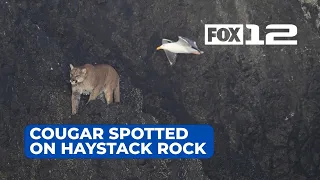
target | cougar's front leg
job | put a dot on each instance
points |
(94, 94)
(75, 100)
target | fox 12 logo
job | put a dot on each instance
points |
(232, 34)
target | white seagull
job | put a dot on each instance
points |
(182, 46)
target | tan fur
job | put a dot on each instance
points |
(94, 80)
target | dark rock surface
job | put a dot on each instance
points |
(263, 101)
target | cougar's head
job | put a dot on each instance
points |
(77, 75)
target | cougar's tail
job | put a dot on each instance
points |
(117, 92)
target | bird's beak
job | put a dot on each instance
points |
(158, 48)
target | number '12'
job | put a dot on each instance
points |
(270, 37)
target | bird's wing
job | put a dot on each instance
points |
(165, 41)
(171, 57)
(189, 42)
(182, 41)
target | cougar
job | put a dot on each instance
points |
(94, 80)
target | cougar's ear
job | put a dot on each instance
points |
(71, 66)
(84, 70)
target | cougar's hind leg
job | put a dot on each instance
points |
(116, 92)
(108, 93)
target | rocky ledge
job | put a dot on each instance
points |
(263, 101)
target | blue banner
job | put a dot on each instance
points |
(118, 141)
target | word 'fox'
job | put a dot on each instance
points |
(94, 80)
